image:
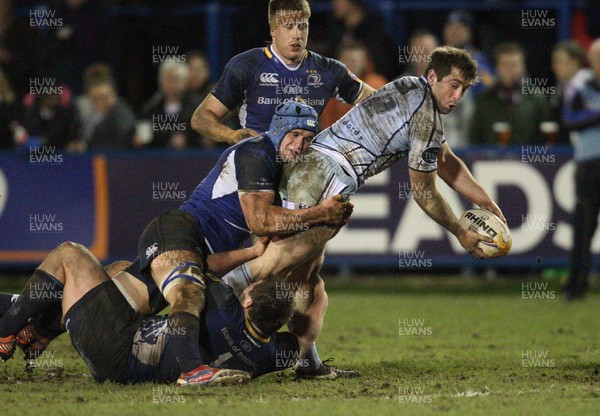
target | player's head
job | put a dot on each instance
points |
(451, 71)
(288, 20)
(268, 306)
(293, 123)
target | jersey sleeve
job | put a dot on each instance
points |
(348, 85)
(231, 87)
(255, 169)
(425, 139)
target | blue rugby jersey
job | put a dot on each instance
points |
(251, 165)
(227, 340)
(258, 81)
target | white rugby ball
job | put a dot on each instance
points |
(487, 223)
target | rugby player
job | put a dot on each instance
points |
(234, 202)
(260, 79)
(403, 119)
(104, 318)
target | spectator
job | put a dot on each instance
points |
(458, 32)
(569, 67)
(50, 116)
(115, 129)
(170, 109)
(356, 57)
(582, 114)
(199, 78)
(360, 25)
(503, 114)
(84, 34)
(17, 49)
(199, 84)
(9, 113)
(88, 116)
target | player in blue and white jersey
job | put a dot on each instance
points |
(260, 79)
(403, 119)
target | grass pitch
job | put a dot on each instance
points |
(424, 346)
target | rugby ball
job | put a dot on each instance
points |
(487, 223)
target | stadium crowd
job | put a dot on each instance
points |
(62, 86)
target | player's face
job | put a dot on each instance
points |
(449, 90)
(290, 36)
(294, 143)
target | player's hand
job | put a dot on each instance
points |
(336, 210)
(260, 245)
(241, 134)
(492, 207)
(470, 242)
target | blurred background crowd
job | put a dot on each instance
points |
(102, 75)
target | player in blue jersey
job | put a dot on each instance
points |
(260, 79)
(105, 320)
(234, 201)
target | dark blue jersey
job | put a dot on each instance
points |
(227, 340)
(251, 166)
(258, 81)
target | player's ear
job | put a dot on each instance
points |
(431, 77)
(247, 300)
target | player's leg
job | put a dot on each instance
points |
(585, 223)
(173, 247)
(44, 294)
(311, 367)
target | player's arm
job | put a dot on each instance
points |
(455, 173)
(265, 219)
(365, 91)
(307, 325)
(435, 206)
(222, 263)
(206, 120)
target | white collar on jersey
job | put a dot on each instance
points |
(289, 67)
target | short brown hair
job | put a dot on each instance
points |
(296, 5)
(444, 58)
(272, 305)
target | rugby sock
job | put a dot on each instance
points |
(6, 301)
(184, 329)
(311, 361)
(239, 278)
(42, 291)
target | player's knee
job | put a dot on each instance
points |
(71, 246)
(184, 286)
(186, 297)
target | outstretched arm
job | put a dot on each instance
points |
(455, 173)
(433, 203)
